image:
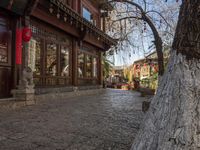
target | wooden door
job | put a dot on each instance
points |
(5, 57)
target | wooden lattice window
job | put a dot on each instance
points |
(51, 59)
(87, 63)
(34, 55)
(4, 38)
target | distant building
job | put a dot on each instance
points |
(146, 70)
(116, 75)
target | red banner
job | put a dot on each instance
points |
(18, 46)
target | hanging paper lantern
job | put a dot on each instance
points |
(18, 46)
(26, 34)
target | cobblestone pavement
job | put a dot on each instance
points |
(108, 121)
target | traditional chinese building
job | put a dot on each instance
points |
(146, 70)
(117, 74)
(57, 43)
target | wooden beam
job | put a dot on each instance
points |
(94, 41)
(42, 15)
(31, 7)
(10, 4)
(75, 63)
(100, 66)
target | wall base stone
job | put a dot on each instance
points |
(26, 97)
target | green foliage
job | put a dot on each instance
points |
(107, 64)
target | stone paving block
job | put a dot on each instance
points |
(106, 121)
(2, 138)
(17, 136)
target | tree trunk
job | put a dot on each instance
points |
(173, 120)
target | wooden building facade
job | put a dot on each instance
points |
(65, 46)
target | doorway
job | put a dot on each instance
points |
(5, 57)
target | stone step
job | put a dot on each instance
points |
(7, 99)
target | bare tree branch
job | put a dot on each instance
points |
(158, 40)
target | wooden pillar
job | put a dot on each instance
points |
(15, 67)
(75, 5)
(75, 63)
(79, 7)
(18, 72)
(100, 69)
(25, 89)
(104, 24)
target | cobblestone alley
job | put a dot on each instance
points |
(100, 122)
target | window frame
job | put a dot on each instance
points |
(92, 55)
(6, 24)
(88, 11)
(57, 57)
(59, 39)
(69, 61)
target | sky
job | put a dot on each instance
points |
(126, 59)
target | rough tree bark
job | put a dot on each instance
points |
(173, 120)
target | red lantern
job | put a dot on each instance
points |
(18, 46)
(26, 34)
(152, 65)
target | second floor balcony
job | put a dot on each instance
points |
(82, 18)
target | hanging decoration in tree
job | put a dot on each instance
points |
(121, 28)
(26, 34)
(160, 23)
(125, 26)
(18, 46)
(167, 0)
(145, 26)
